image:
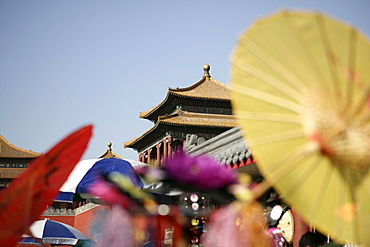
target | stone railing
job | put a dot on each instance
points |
(68, 212)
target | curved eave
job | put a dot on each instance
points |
(191, 93)
(8, 150)
(182, 118)
(228, 125)
(147, 113)
(207, 88)
(186, 119)
(129, 144)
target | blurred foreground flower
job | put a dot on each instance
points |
(110, 194)
(238, 224)
(199, 171)
(189, 174)
(117, 189)
(118, 229)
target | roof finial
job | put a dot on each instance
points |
(109, 146)
(206, 69)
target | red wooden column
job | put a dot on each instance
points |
(169, 143)
(158, 154)
(145, 156)
(149, 155)
(164, 149)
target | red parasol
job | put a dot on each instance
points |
(29, 195)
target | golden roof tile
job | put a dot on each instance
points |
(8, 150)
(207, 88)
(199, 119)
(183, 118)
(9, 173)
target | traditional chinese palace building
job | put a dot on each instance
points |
(199, 120)
(13, 161)
(203, 109)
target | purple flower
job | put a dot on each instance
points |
(199, 171)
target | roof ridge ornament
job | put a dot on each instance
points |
(109, 153)
(206, 69)
(109, 147)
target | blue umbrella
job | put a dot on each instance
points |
(89, 171)
(54, 233)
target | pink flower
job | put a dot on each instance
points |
(237, 224)
(222, 230)
(110, 194)
(199, 171)
(118, 230)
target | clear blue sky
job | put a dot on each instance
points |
(68, 63)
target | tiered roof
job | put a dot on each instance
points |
(207, 88)
(11, 155)
(8, 150)
(203, 108)
(207, 92)
(10, 173)
(186, 119)
(183, 118)
(179, 121)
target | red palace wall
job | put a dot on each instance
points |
(80, 221)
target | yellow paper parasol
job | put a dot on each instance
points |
(301, 84)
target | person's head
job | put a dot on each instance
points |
(312, 239)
